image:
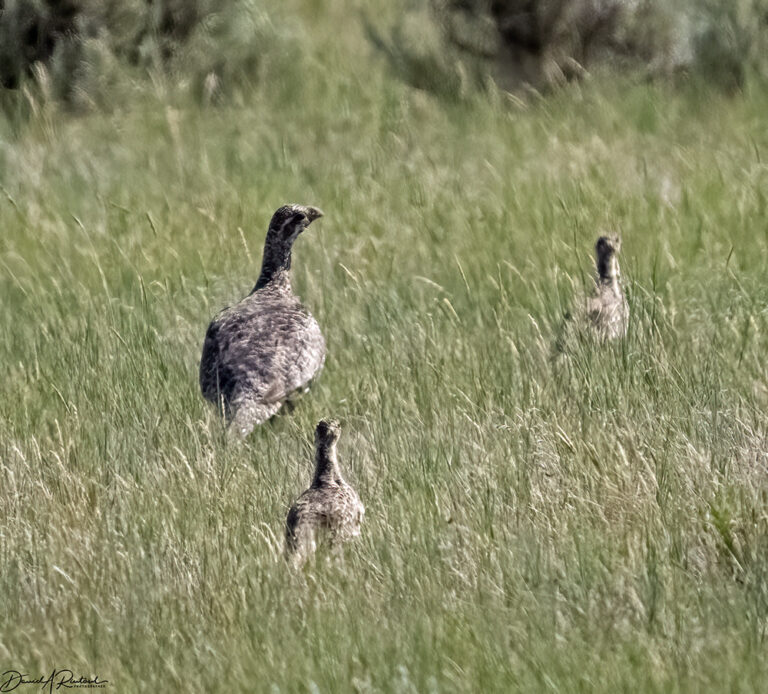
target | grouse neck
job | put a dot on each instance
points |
(275, 266)
(608, 271)
(326, 465)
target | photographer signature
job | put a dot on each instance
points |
(57, 680)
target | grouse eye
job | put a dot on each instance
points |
(301, 218)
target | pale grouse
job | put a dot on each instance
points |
(607, 308)
(330, 509)
(604, 314)
(263, 349)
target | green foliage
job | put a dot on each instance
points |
(237, 46)
(89, 51)
(518, 43)
(593, 524)
(540, 44)
(731, 41)
(418, 53)
(30, 32)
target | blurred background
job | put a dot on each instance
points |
(88, 53)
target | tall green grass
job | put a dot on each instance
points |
(597, 523)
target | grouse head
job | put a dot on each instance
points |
(327, 432)
(287, 223)
(606, 250)
(290, 220)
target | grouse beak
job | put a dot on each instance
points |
(313, 213)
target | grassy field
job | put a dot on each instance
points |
(597, 524)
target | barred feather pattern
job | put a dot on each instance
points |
(330, 511)
(607, 308)
(604, 314)
(267, 347)
(608, 312)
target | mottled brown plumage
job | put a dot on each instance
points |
(604, 314)
(607, 308)
(268, 346)
(330, 509)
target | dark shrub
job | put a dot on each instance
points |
(79, 45)
(542, 43)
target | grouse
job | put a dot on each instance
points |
(604, 314)
(330, 509)
(607, 308)
(268, 346)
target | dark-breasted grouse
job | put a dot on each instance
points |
(261, 350)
